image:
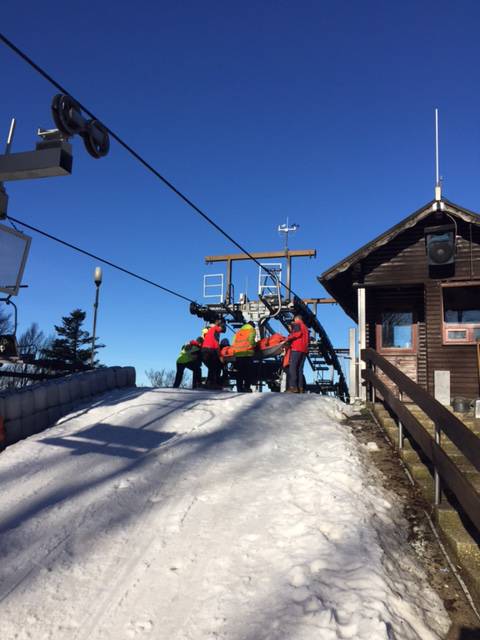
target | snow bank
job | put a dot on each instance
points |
(188, 515)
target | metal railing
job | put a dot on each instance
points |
(446, 472)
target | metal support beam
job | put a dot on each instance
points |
(42, 163)
(352, 381)
(296, 253)
(228, 293)
(362, 338)
(289, 274)
(316, 301)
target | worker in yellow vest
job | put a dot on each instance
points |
(189, 358)
(244, 348)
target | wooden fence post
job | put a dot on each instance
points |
(436, 475)
(352, 381)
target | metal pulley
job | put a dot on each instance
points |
(69, 120)
(67, 115)
(96, 139)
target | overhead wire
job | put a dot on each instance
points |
(137, 156)
(99, 259)
(149, 168)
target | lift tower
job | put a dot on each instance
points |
(230, 258)
(275, 301)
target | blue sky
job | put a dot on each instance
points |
(320, 111)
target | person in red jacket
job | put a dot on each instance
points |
(211, 354)
(299, 339)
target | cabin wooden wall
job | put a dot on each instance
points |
(460, 360)
(400, 298)
(404, 260)
(388, 270)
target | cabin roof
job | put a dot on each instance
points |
(408, 222)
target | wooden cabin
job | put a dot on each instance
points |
(415, 293)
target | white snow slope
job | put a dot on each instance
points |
(189, 515)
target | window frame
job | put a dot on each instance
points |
(468, 327)
(413, 350)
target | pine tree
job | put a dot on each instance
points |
(71, 344)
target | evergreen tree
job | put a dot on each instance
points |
(73, 345)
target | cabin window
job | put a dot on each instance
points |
(396, 331)
(461, 314)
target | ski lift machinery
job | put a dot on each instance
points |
(271, 305)
(51, 157)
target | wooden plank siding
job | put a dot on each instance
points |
(403, 260)
(389, 274)
(400, 298)
(460, 360)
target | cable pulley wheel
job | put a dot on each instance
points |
(96, 139)
(67, 115)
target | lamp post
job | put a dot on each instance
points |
(97, 278)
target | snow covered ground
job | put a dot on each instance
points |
(162, 514)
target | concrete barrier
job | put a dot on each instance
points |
(102, 380)
(39, 397)
(36, 407)
(85, 383)
(111, 378)
(64, 396)
(75, 388)
(53, 399)
(13, 429)
(41, 422)
(13, 405)
(131, 376)
(121, 377)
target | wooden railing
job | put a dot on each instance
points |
(445, 469)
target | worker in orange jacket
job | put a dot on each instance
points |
(244, 343)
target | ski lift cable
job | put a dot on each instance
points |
(99, 259)
(137, 156)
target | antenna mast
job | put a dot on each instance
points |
(438, 184)
(286, 229)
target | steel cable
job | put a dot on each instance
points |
(99, 259)
(137, 156)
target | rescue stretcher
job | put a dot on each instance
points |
(266, 348)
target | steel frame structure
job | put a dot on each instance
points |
(322, 355)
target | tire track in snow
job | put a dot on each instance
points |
(119, 579)
(175, 544)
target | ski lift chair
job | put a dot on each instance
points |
(14, 248)
(9, 353)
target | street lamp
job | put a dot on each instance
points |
(97, 278)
